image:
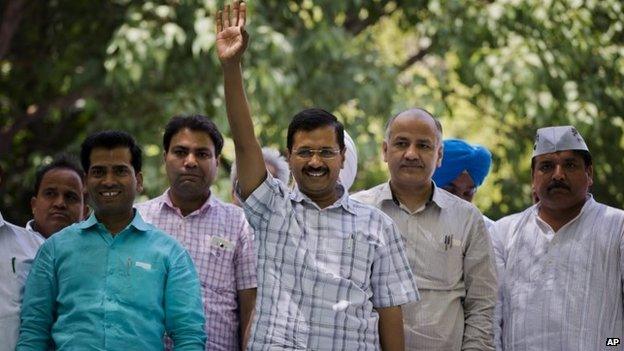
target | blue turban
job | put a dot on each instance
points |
(460, 156)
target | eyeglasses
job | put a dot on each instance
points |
(326, 153)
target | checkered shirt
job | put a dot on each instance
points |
(218, 239)
(321, 273)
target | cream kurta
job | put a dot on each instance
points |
(560, 291)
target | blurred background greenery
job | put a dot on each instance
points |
(493, 70)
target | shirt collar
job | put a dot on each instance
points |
(165, 199)
(30, 226)
(437, 196)
(137, 222)
(343, 201)
(2, 222)
(440, 197)
(589, 202)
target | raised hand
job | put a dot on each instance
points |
(231, 36)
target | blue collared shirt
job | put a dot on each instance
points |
(89, 290)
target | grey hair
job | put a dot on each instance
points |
(273, 158)
(415, 110)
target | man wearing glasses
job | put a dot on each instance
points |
(446, 241)
(332, 273)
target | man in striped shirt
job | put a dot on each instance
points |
(332, 273)
(448, 246)
(560, 261)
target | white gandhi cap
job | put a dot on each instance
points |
(349, 170)
(560, 138)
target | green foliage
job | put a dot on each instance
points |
(494, 71)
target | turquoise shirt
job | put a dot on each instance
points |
(88, 290)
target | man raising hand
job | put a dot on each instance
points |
(332, 272)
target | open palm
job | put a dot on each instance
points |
(230, 43)
(231, 36)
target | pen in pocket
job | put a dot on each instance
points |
(13, 264)
(350, 241)
(128, 266)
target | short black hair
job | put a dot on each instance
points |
(587, 159)
(311, 119)
(60, 161)
(194, 123)
(110, 139)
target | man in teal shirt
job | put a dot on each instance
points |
(112, 282)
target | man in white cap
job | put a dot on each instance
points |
(560, 261)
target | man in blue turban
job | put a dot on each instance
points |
(463, 169)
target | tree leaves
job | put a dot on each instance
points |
(494, 71)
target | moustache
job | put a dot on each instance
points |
(557, 184)
(196, 175)
(315, 169)
(412, 164)
(59, 213)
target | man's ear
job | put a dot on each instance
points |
(590, 174)
(288, 155)
(440, 155)
(384, 150)
(85, 211)
(139, 179)
(33, 203)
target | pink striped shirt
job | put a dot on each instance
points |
(219, 240)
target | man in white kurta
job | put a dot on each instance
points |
(560, 261)
(18, 248)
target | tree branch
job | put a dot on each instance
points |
(415, 58)
(354, 25)
(10, 22)
(29, 118)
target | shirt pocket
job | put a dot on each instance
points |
(143, 275)
(347, 257)
(14, 271)
(438, 260)
(219, 273)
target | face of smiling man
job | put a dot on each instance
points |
(112, 182)
(315, 163)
